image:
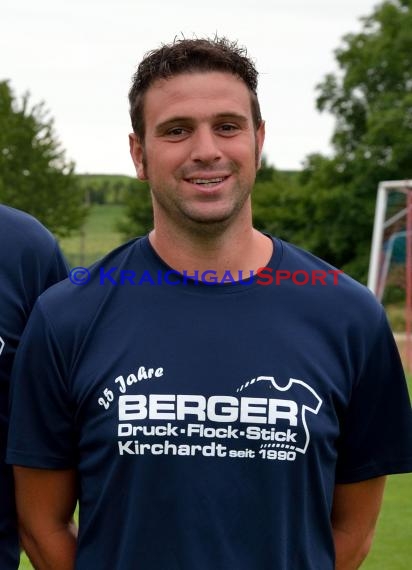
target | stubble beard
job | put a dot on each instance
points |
(186, 219)
(191, 219)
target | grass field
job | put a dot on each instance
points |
(98, 237)
(392, 548)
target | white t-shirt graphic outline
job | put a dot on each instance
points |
(305, 408)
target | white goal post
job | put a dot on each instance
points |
(380, 224)
(379, 262)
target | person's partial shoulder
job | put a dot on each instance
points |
(353, 298)
(85, 290)
(22, 232)
(30, 257)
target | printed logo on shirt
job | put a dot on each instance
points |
(294, 410)
(263, 420)
(2, 344)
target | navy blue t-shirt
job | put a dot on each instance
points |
(30, 261)
(209, 423)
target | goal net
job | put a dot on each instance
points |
(390, 265)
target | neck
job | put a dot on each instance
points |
(228, 250)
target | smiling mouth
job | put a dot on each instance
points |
(207, 182)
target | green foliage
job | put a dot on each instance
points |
(371, 101)
(110, 189)
(277, 204)
(34, 175)
(138, 219)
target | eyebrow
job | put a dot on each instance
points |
(187, 119)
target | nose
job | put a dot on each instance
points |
(205, 147)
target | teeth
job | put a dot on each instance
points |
(206, 180)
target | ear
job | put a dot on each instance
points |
(260, 139)
(137, 154)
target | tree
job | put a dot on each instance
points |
(276, 202)
(34, 174)
(139, 215)
(371, 100)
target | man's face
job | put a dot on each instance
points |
(201, 151)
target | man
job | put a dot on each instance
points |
(30, 261)
(202, 418)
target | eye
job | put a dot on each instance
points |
(228, 128)
(176, 132)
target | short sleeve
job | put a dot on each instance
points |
(376, 431)
(58, 268)
(41, 429)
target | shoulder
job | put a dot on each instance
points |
(72, 308)
(87, 287)
(21, 232)
(30, 262)
(339, 291)
(300, 259)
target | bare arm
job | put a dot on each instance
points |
(46, 501)
(355, 511)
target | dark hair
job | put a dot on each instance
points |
(191, 55)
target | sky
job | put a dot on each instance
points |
(78, 56)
